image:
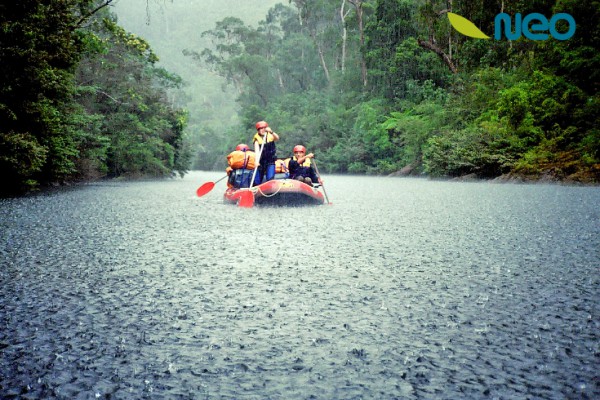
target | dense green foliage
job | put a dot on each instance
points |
(175, 27)
(80, 98)
(379, 86)
(370, 86)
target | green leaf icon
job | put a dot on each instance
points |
(465, 26)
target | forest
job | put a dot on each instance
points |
(82, 99)
(370, 86)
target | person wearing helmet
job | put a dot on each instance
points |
(300, 166)
(265, 139)
(240, 166)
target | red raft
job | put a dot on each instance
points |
(277, 192)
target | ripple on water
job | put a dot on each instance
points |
(406, 289)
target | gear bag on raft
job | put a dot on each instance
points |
(238, 159)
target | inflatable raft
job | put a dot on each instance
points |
(276, 192)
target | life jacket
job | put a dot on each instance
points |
(269, 149)
(306, 162)
(238, 159)
(258, 138)
(282, 166)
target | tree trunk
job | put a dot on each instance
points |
(450, 55)
(431, 43)
(323, 63)
(280, 78)
(343, 16)
(358, 4)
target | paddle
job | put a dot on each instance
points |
(257, 159)
(321, 180)
(207, 187)
(246, 199)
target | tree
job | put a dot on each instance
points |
(359, 6)
(393, 56)
(58, 94)
(433, 16)
(318, 20)
(140, 132)
(38, 51)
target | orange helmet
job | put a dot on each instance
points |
(299, 147)
(261, 124)
(242, 147)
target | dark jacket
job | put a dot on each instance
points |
(269, 152)
(300, 170)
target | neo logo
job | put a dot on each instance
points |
(533, 26)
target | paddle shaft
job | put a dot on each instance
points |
(257, 160)
(222, 178)
(322, 185)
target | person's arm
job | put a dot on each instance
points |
(256, 153)
(275, 136)
(303, 158)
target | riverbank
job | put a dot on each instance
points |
(587, 177)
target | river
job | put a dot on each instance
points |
(401, 288)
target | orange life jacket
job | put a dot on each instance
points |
(241, 159)
(282, 165)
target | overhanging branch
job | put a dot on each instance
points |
(437, 50)
(89, 14)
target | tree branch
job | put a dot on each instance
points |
(89, 14)
(437, 50)
(110, 97)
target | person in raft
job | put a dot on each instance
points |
(266, 164)
(301, 168)
(240, 166)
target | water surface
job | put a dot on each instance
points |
(402, 288)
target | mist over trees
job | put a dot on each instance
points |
(369, 86)
(175, 27)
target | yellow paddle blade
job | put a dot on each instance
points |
(466, 27)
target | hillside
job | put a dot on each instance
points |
(172, 27)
